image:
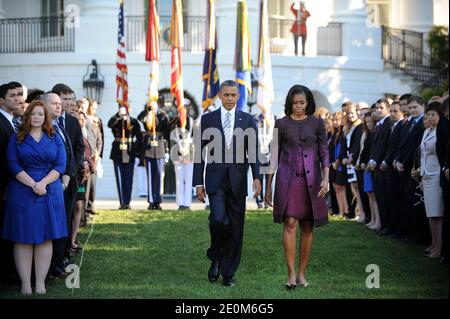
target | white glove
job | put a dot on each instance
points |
(166, 157)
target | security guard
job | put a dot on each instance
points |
(125, 148)
(156, 150)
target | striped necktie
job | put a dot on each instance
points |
(227, 129)
(16, 123)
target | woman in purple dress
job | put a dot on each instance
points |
(302, 162)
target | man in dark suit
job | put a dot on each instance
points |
(410, 139)
(53, 105)
(230, 151)
(393, 180)
(442, 151)
(9, 103)
(70, 126)
(377, 153)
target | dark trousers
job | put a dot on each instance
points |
(333, 201)
(124, 181)
(154, 168)
(394, 201)
(380, 182)
(61, 245)
(363, 195)
(226, 225)
(296, 37)
(8, 272)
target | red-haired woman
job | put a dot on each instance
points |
(34, 213)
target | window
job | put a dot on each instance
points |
(53, 18)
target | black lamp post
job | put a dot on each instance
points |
(253, 97)
(93, 82)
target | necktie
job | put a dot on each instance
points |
(60, 132)
(61, 122)
(411, 124)
(16, 122)
(227, 129)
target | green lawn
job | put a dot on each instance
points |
(141, 254)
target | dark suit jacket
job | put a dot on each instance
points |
(442, 146)
(409, 142)
(134, 133)
(394, 140)
(355, 146)
(380, 141)
(364, 157)
(6, 131)
(163, 135)
(73, 130)
(215, 172)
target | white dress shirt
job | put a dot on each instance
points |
(223, 112)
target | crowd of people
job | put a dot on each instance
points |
(51, 146)
(389, 168)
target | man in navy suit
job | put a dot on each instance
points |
(230, 137)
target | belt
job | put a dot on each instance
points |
(151, 134)
(126, 140)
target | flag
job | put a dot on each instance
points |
(264, 67)
(210, 71)
(122, 69)
(242, 63)
(176, 40)
(152, 55)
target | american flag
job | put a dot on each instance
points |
(122, 69)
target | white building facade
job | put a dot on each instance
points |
(345, 60)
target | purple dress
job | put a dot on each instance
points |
(301, 153)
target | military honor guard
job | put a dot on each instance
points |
(125, 149)
(156, 150)
(183, 157)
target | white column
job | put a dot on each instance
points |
(359, 39)
(100, 7)
(349, 11)
(98, 27)
(415, 15)
(135, 7)
(2, 12)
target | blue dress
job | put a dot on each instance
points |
(29, 218)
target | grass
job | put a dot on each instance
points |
(141, 254)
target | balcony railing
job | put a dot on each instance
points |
(404, 50)
(329, 39)
(194, 33)
(29, 35)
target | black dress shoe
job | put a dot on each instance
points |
(151, 206)
(214, 271)
(57, 272)
(228, 281)
(157, 207)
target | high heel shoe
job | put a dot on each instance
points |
(291, 286)
(302, 284)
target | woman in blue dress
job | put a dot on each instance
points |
(34, 213)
